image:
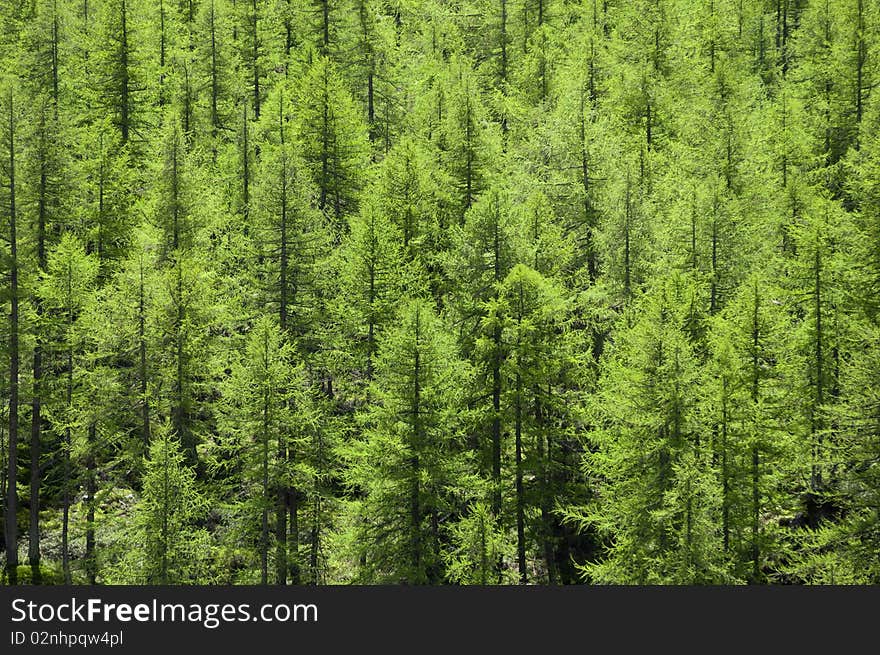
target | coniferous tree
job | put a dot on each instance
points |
(332, 139)
(530, 312)
(476, 545)
(486, 250)
(657, 497)
(69, 279)
(642, 236)
(118, 61)
(262, 404)
(372, 280)
(754, 451)
(169, 549)
(11, 496)
(409, 462)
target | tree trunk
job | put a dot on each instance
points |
(12, 475)
(469, 155)
(161, 53)
(325, 144)
(245, 170)
(371, 109)
(627, 282)
(520, 497)
(55, 59)
(755, 452)
(36, 408)
(293, 539)
(371, 298)
(166, 503)
(518, 422)
(861, 58)
(414, 465)
(725, 475)
(124, 82)
(142, 353)
(215, 80)
(496, 379)
(256, 60)
(546, 489)
(65, 519)
(325, 25)
(264, 522)
(503, 71)
(713, 295)
(816, 477)
(180, 415)
(315, 545)
(281, 520)
(288, 37)
(36, 477)
(91, 490)
(284, 492)
(592, 268)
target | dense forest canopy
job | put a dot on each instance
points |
(440, 291)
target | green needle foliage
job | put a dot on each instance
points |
(168, 547)
(440, 292)
(410, 465)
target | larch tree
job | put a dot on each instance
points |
(485, 250)
(468, 144)
(64, 291)
(332, 138)
(118, 60)
(291, 241)
(372, 279)
(14, 292)
(213, 66)
(749, 399)
(169, 548)
(820, 345)
(531, 312)
(410, 460)
(656, 497)
(261, 405)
